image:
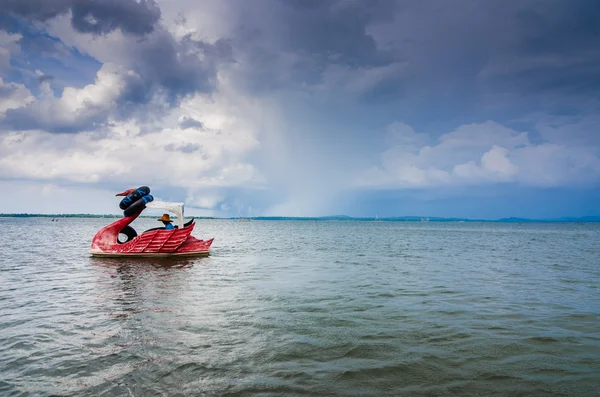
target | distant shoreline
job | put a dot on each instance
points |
(586, 219)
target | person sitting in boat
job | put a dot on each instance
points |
(166, 219)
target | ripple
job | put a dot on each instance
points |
(288, 308)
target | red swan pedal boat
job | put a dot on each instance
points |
(156, 242)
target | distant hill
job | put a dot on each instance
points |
(581, 219)
(564, 219)
(519, 220)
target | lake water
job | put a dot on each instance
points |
(290, 308)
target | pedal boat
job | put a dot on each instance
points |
(156, 242)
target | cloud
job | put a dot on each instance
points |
(283, 44)
(549, 48)
(8, 46)
(171, 67)
(494, 166)
(551, 165)
(13, 96)
(188, 122)
(419, 54)
(294, 96)
(136, 17)
(79, 109)
(125, 154)
(385, 51)
(193, 162)
(581, 129)
(401, 134)
(335, 31)
(185, 148)
(479, 154)
(43, 78)
(136, 79)
(204, 201)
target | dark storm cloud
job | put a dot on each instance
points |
(31, 117)
(91, 16)
(554, 50)
(103, 16)
(304, 37)
(336, 30)
(451, 58)
(526, 50)
(38, 10)
(180, 68)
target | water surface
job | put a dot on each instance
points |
(296, 308)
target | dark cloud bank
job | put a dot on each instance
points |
(91, 16)
(441, 48)
(462, 57)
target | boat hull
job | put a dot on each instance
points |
(154, 243)
(150, 255)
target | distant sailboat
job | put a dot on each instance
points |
(377, 218)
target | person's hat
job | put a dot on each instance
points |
(165, 218)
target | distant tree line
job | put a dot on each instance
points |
(324, 218)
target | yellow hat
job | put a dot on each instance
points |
(165, 218)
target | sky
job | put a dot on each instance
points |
(477, 109)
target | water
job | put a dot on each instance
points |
(304, 308)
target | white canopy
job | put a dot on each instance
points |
(176, 208)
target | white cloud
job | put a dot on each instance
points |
(13, 96)
(402, 134)
(551, 164)
(77, 108)
(125, 154)
(202, 146)
(199, 159)
(580, 130)
(478, 154)
(494, 167)
(478, 136)
(204, 201)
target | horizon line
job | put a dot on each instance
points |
(396, 218)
